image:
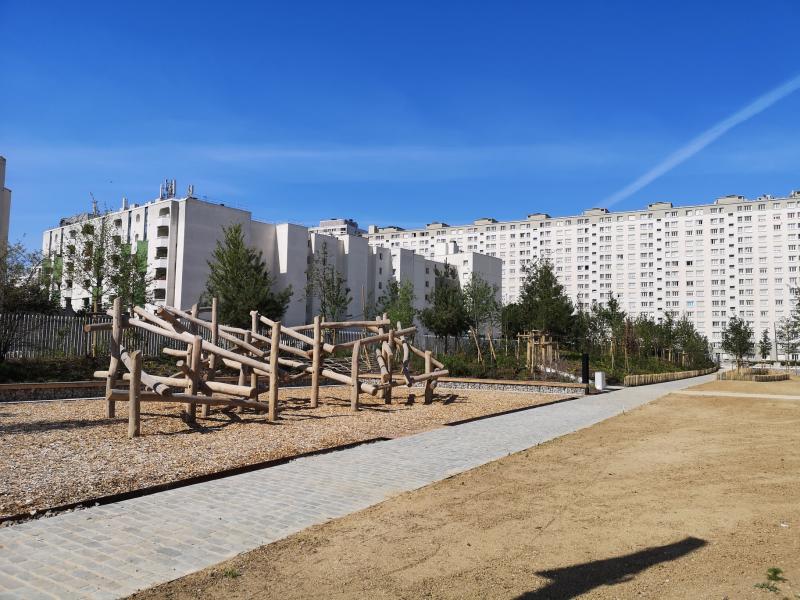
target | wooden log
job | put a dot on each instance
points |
(292, 332)
(146, 379)
(170, 324)
(207, 346)
(272, 414)
(122, 395)
(134, 396)
(234, 364)
(428, 369)
(382, 365)
(93, 327)
(346, 324)
(421, 354)
(114, 362)
(427, 376)
(194, 380)
(205, 409)
(283, 347)
(374, 339)
(253, 333)
(316, 359)
(174, 352)
(354, 390)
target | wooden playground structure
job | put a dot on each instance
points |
(268, 350)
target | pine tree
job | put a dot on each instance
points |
(544, 303)
(240, 281)
(765, 344)
(446, 314)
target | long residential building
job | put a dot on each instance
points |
(734, 256)
(178, 235)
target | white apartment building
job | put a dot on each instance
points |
(734, 256)
(337, 227)
(5, 205)
(179, 234)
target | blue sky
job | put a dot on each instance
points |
(399, 113)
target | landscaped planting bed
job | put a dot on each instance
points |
(57, 453)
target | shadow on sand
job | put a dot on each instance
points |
(572, 581)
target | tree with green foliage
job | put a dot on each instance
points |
(737, 339)
(512, 321)
(326, 284)
(480, 298)
(447, 314)
(23, 290)
(241, 282)
(787, 338)
(545, 305)
(398, 303)
(765, 344)
(99, 263)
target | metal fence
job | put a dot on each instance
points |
(51, 336)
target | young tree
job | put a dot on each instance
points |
(737, 339)
(787, 338)
(101, 264)
(241, 282)
(481, 302)
(446, 314)
(512, 320)
(328, 286)
(398, 303)
(23, 290)
(544, 303)
(765, 344)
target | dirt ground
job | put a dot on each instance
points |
(790, 387)
(686, 497)
(54, 453)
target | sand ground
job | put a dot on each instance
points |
(687, 497)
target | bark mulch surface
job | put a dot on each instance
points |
(55, 453)
(686, 497)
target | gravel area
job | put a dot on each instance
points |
(55, 453)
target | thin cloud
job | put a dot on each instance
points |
(756, 107)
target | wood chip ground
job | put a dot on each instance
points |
(55, 453)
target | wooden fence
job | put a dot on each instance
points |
(650, 378)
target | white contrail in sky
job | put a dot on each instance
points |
(704, 139)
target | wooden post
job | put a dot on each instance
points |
(316, 359)
(113, 367)
(354, 376)
(134, 392)
(194, 379)
(212, 358)
(272, 409)
(428, 383)
(254, 331)
(387, 394)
